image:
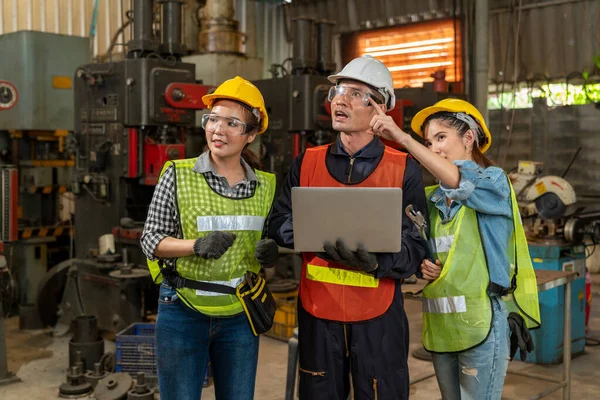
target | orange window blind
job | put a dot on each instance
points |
(414, 52)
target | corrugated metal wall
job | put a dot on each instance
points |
(67, 17)
(263, 22)
(353, 15)
(510, 145)
(271, 40)
(557, 37)
(554, 40)
(551, 135)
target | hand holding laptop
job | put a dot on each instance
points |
(360, 259)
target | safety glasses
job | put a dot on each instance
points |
(227, 125)
(352, 95)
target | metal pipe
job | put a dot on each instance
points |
(481, 56)
(190, 24)
(534, 5)
(465, 35)
(325, 62)
(171, 27)
(6, 377)
(108, 17)
(142, 14)
(243, 22)
(303, 58)
(85, 329)
(143, 36)
(567, 343)
(120, 22)
(219, 32)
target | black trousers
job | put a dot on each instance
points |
(374, 353)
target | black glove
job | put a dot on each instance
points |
(361, 259)
(520, 337)
(266, 253)
(213, 245)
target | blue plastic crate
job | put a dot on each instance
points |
(136, 350)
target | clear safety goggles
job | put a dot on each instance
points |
(352, 95)
(227, 125)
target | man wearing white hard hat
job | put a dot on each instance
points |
(354, 327)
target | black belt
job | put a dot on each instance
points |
(178, 282)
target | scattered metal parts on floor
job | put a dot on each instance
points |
(114, 387)
(141, 391)
(92, 377)
(76, 386)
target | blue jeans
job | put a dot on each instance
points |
(477, 374)
(185, 339)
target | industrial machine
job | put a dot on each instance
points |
(299, 112)
(36, 115)
(130, 117)
(556, 231)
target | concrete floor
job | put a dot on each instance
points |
(41, 378)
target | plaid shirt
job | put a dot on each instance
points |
(163, 221)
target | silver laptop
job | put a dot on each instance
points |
(368, 216)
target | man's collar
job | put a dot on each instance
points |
(372, 150)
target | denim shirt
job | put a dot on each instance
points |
(488, 193)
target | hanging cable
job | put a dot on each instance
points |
(515, 62)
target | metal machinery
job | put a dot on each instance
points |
(556, 231)
(131, 116)
(35, 157)
(299, 113)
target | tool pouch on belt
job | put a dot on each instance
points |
(258, 302)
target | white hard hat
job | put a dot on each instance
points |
(371, 71)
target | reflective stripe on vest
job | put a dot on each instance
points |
(441, 244)
(233, 283)
(230, 223)
(445, 305)
(340, 276)
(332, 291)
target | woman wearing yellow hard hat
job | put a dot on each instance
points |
(481, 286)
(202, 234)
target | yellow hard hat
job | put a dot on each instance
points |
(452, 106)
(241, 90)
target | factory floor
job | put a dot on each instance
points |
(40, 361)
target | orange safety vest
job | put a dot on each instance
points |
(333, 291)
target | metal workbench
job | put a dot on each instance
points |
(547, 280)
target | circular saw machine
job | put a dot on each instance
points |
(547, 204)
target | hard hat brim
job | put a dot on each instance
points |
(417, 123)
(335, 78)
(209, 99)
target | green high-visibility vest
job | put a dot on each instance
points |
(457, 310)
(202, 211)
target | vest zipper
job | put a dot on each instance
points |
(350, 168)
(375, 387)
(346, 342)
(312, 372)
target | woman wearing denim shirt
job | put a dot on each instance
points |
(472, 218)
